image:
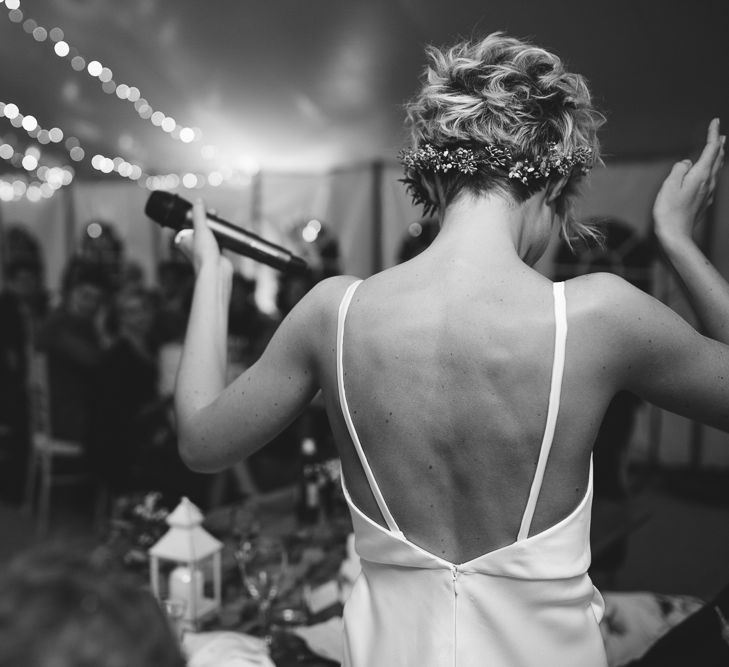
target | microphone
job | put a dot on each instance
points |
(171, 210)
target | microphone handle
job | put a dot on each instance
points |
(247, 243)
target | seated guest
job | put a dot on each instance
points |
(133, 445)
(72, 343)
(128, 413)
(61, 609)
(174, 281)
(18, 311)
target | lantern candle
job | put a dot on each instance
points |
(187, 584)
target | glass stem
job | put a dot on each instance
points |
(264, 620)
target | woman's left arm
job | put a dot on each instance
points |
(219, 425)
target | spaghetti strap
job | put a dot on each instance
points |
(343, 307)
(560, 341)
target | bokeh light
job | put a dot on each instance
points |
(62, 49)
(11, 111)
(94, 230)
(30, 162)
(94, 68)
(29, 123)
(77, 153)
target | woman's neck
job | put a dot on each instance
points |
(494, 231)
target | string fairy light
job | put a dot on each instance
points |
(47, 179)
(166, 123)
(105, 76)
(29, 123)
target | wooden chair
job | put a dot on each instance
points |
(46, 450)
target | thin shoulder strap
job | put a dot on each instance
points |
(560, 341)
(343, 307)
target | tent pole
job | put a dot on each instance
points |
(3, 251)
(377, 173)
(256, 194)
(69, 223)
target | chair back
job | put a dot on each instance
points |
(39, 394)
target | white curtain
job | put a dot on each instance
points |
(46, 221)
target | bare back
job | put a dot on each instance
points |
(448, 385)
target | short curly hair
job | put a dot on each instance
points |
(505, 92)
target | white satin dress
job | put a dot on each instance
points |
(528, 604)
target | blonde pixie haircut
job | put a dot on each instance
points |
(507, 93)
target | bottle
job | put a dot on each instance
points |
(309, 499)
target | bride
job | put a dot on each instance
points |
(465, 389)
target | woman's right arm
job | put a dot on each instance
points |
(681, 203)
(659, 356)
(638, 343)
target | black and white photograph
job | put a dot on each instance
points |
(373, 333)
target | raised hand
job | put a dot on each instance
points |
(689, 190)
(199, 244)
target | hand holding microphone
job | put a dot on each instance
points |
(198, 243)
(170, 210)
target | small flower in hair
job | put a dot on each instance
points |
(467, 160)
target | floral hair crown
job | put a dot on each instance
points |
(467, 161)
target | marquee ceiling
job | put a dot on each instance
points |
(310, 84)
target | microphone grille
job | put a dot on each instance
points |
(168, 209)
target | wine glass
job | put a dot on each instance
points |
(174, 610)
(263, 562)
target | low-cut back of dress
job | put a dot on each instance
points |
(528, 604)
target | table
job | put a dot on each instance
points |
(320, 550)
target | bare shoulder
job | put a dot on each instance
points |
(317, 311)
(617, 323)
(598, 292)
(323, 299)
(330, 289)
(613, 307)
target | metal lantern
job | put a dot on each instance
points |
(196, 554)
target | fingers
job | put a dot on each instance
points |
(719, 160)
(184, 241)
(712, 133)
(679, 171)
(705, 163)
(198, 215)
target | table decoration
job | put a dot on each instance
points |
(196, 557)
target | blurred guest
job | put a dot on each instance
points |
(127, 409)
(174, 281)
(72, 342)
(62, 609)
(249, 330)
(132, 275)
(101, 245)
(419, 236)
(18, 311)
(133, 443)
